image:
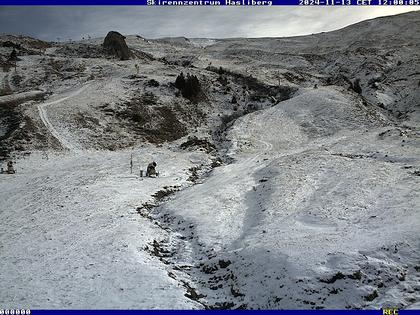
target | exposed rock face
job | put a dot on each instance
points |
(114, 43)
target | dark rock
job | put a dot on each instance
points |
(114, 44)
(356, 275)
(372, 296)
(235, 291)
(224, 263)
(334, 278)
(356, 86)
(152, 83)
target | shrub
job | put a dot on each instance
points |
(189, 87)
(180, 82)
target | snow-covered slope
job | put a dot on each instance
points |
(313, 194)
(283, 184)
(71, 237)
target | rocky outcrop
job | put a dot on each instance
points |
(114, 44)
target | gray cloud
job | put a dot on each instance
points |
(49, 23)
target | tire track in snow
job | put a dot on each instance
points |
(42, 109)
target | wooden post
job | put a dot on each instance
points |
(131, 164)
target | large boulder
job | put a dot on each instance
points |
(114, 44)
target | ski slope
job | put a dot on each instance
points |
(42, 108)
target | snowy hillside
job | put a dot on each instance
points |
(288, 175)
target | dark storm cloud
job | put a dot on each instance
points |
(49, 23)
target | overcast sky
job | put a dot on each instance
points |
(49, 23)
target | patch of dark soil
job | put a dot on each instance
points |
(10, 44)
(163, 193)
(224, 263)
(192, 292)
(85, 120)
(194, 174)
(370, 297)
(169, 128)
(334, 278)
(81, 51)
(10, 121)
(142, 55)
(24, 45)
(146, 118)
(357, 275)
(20, 132)
(222, 306)
(235, 291)
(209, 268)
(183, 61)
(294, 77)
(216, 162)
(352, 156)
(194, 142)
(157, 249)
(259, 90)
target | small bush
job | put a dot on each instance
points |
(180, 82)
(189, 87)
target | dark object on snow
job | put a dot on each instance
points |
(152, 83)
(189, 86)
(180, 81)
(13, 56)
(114, 44)
(356, 86)
(151, 169)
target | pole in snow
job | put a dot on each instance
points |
(131, 164)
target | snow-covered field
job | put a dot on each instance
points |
(316, 205)
(71, 237)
